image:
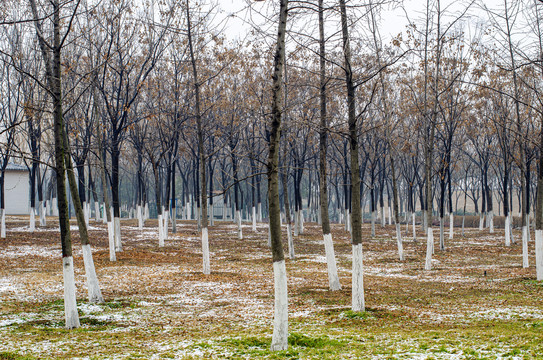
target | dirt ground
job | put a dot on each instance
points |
(477, 301)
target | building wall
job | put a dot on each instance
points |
(16, 189)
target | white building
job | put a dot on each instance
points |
(17, 190)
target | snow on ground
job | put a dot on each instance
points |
(29, 250)
(176, 294)
(6, 285)
(509, 313)
(49, 229)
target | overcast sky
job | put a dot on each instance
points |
(393, 21)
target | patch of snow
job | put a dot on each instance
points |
(318, 259)
(35, 250)
(8, 322)
(110, 317)
(6, 285)
(90, 308)
(509, 313)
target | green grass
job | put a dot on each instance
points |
(357, 315)
(6, 355)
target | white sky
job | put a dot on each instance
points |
(393, 21)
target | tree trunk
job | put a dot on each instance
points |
(53, 74)
(333, 278)
(288, 220)
(280, 326)
(201, 151)
(93, 287)
(396, 210)
(356, 218)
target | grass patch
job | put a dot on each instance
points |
(248, 342)
(6, 355)
(296, 339)
(357, 315)
(120, 304)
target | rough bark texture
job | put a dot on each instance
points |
(201, 151)
(356, 214)
(53, 73)
(396, 210)
(280, 332)
(287, 215)
(333, 279)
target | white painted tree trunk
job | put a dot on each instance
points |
(407, 219)
(205, 252)
(302, 220)
(290, 243)
(481, 221)
(414, 216)
(425, 221)
(93, 287)
(490, 221)
(104, 217)
(117, 232)
(160, 231)
(383, 216)
(525, 235)
(97, 211)
(86, 213)
(280, 318)
(187, 212)
(3, 223)
(399, 240)
(111, 240)
(451, 226)
(54, 207)
(507, 231)
(70, 302)
(358, 279)
(333, 278)
(139, 214)
(539, 254)
(529, 236)
(442, 233)
(240, 230)
(259, 211)
(389, 216)
(32, 226)
(429, 249)
(146, 212)
(165, 219)
(254, 218)
(43, 213)
(373, 224)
